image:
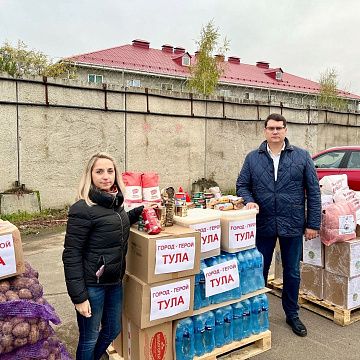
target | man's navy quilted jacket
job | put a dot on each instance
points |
(282, 202)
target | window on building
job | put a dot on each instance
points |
(278, 75)
(225, 92)
(133, 83)
(186, 60)
(166, 86)
(96, 79)
(249, 96)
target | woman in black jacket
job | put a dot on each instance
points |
(94, 255)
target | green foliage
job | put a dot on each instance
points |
(20, 217)
(207, 70)
(328, 93)
(18, 61)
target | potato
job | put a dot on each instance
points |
(41, 301)
(11, 295)
(4, 286)
(34, 334)
(7, 341)
(7, 328)
(19, 283)
(52, 356)
(21, 330)
(18, 342)
(2, 298)
(16, 320)
(42, 324)
(25, 294)
(36, 290)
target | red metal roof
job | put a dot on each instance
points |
(155, 61)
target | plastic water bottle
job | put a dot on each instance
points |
(226, 295)
(197, 292)
(238, 330)
(244, 285)
(212, 261)
(219, 327)
(246, 318)
(199, 334)
(255, 314)
(209, 331)
(249, 269)
(228, 324)
(184, 339)
(258, 261)
(264, 316)
(205, 301)
(236, 292)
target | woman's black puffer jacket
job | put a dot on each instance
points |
(96, 236)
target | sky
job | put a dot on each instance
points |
(303, 37)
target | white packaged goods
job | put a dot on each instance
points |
(332, 183)
(207, 222)
(238, 229)
(313, 252)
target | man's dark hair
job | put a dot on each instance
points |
(276, 117)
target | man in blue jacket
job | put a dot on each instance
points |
(277, 179)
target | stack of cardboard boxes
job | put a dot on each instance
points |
(332, 272)
(159, 284)
(158, 288)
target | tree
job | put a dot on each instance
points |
(19, 61)
(206, 71)
(328, 93)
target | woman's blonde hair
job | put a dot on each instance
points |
(86, 179)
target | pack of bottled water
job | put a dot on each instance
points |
(201, 334)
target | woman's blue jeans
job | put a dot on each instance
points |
(98, 331)
(291, 253)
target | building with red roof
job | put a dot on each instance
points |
(138, 65)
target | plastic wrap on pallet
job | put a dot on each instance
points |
(312, 280)
(341, 290)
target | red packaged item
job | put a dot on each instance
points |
(132, 181)
(150, 184)
(151, 221)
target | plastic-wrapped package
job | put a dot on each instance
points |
(150, 187)
(132, 181)
(338, 223)
(152, 223)
(332, 183)
(312, 280)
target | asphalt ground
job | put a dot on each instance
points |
(325, 341)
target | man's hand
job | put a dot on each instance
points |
(84, 308)
(311, 234)
(252, 205)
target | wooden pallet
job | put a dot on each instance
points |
(324, 308)
(241, 350)
(113, 355)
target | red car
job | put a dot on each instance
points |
(340, 160)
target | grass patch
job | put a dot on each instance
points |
(24, 217)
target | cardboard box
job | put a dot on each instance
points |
(152, 304)
(11, 252)
(313, 252)
(341, 290)
(152, 343)
(238, 229)
(172, 254)
(118, 342)
(312, 280)
(207, 222)
(343, 258)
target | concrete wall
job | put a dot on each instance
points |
(56, 127)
